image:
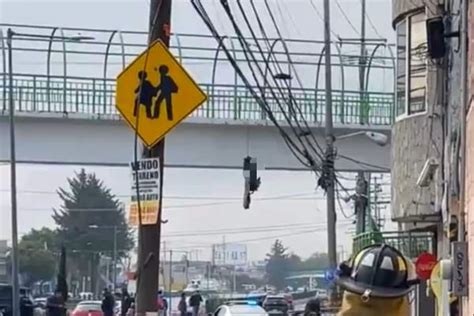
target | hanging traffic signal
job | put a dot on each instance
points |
(252, 181)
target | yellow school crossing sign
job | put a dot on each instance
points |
(154, 93)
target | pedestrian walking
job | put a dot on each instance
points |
(313, 307)
(195, 301)
(131, 310)
(108, 303)
(26, 305)
(182, 306)
(55, 304)
(126, 302)
(162, 304)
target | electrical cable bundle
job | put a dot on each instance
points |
(299, 138)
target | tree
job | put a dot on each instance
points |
(278, 265)
(37, 255)
(87, 219)
(294, 262)
(317, 261)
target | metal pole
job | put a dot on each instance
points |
(14, 254)
(187, 268)
(234, 282)
(114, 277)
(331, 207)
(208, 275)
(171, 278)
(362, 63)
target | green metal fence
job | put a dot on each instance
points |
(410, 244)
(96, 97)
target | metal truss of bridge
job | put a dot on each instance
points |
(64, 86)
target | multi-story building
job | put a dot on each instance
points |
(426, 134)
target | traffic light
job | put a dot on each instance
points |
(252, 181)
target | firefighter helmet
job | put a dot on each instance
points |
(378, 271)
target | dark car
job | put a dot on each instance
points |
(6, 299)
(276, 304)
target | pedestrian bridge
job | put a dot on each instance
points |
(71, 118)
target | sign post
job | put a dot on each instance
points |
(424, 265)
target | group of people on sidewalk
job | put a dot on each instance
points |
(128, 304)
(55, 304)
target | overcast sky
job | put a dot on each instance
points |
(188, 192)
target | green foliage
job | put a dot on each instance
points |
(278, 265)
(88, 216)
(37, 255)
(317, 261)
(87, 219)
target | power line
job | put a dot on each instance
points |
(372, 25)
(347, 18)
(321, 17)
(302, 232)
(186, 197)
(364, 164)
(296, 151)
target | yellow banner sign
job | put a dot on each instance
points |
(146, 184)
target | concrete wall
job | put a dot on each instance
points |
(202, 144)
(469, 203)
(469, 206)
(415, 139)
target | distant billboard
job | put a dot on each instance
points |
(230, 254)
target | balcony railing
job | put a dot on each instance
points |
(411, 244)
(96, 98)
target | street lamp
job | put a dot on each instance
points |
(14, 251)
(378, 138)
(287, 78)
(13, 184)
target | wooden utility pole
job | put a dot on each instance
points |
(149, 235)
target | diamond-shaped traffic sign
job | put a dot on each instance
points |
(155, 93)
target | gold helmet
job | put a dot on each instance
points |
(378, 271)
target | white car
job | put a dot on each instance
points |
(240, 309)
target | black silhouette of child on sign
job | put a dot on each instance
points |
(164, 92)
(147, 92)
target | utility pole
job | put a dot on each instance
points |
(361, 199)
(329, 163)
(149, 235)
(171, 278)
(223, 250)
(114, 259)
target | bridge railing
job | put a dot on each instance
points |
(411, 244)
(96, 97)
